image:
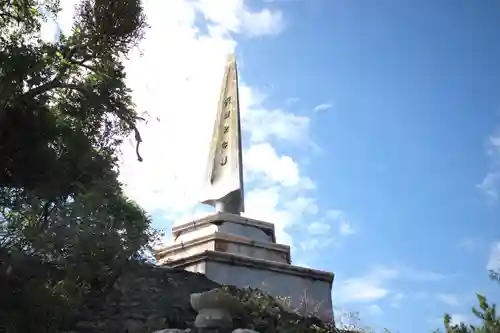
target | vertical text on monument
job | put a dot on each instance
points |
(224, 169)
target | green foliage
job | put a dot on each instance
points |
(64, 105)
(486, 313)
(64, 111)
(263, 313)
(30, 297)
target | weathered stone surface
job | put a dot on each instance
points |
(145, 299)
(214, 308)
(173, 330)
(223, 181)
(213, 318)
(244, 330)
(215, 298)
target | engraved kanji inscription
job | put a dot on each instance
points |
(227, 114)
(224, 144)
(226, 128)
(223, 160)
(227, 101)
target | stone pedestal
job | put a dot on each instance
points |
(214, 309)
(234, 250)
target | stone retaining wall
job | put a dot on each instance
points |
(145, 299)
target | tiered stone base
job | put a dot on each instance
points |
(233, 250)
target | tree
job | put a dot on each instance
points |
(490, 320)
(64, 111)
(64, 105)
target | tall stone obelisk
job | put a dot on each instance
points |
(232, 249)
(223, 181)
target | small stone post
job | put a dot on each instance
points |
(214, 309)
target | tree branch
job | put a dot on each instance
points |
(81, 63)
(42, 89)
(9, 15)
(55, 83)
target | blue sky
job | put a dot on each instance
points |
(371, 134)
(414, 92)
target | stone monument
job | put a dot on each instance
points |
(224, 176)
(235, 250)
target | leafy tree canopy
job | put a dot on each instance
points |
(64, 112)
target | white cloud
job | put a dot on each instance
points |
(346, 228)
(301, 205)
(374, 310)
(309, 244)
(262, 158)
(494, 258)
(322, 107)
(494, 143)
(490, 184)
(368, 288)
(318, 228)
(330, 228)
(362, 291)
(448, 299)
(375, 285)
(339, 217)
(175, 75)
(235, 16)
(265, 124)
(265, 204)
(185, 70)
(396, 299)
